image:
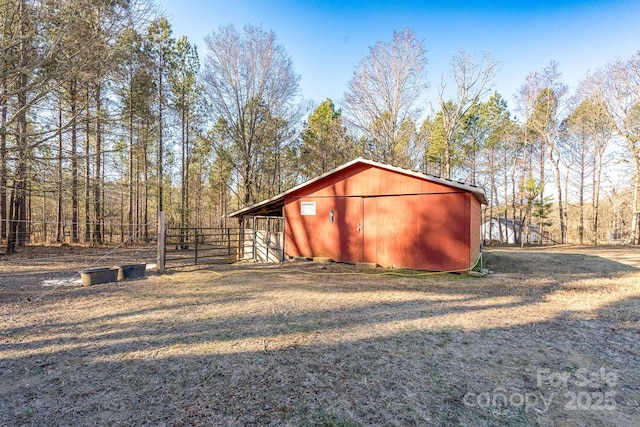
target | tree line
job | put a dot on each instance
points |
(106, 118)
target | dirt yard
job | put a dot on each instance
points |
(551, 337)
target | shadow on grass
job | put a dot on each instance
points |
(419, 377)
(545, 262)
(151, 362)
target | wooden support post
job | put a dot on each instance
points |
(268, 242)
(229, 245)
(161, 242)
(255, 239)
(240, 241)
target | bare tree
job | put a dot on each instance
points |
(589, 129)
(539, 100)
(381, 96)
(252, 87)
(621, 87)
(472, 81)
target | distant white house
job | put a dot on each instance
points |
(508, 231)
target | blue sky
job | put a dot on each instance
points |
(327, 39)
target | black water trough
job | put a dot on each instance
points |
(96, 276)
(132, 271)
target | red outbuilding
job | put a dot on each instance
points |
(365, 211)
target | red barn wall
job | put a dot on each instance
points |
(475, 229)
(384, 217)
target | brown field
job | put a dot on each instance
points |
(551, 337)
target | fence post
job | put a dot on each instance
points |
(161, 241)
(228, 244)
(195, 237)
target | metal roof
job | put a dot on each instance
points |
(273, 205)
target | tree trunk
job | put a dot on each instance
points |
(87, 173)
(27, 232)
(17, 215)
(505, 236)
(59, 218)
(122, 205)
(447, 158)
(516, 223)
(543, 155)
(186, 171)
(635, 218)
(145, 176)
(160, 132)
(563, 226)
(130, 183)
(136, 191)
(145, 171)
(492, 190)
(597, 177)
(11, 231)
(97, 233)
(246, 177)
(44, 214)
(103, 225)
(581, 190)
(3, 159)
(183, 145)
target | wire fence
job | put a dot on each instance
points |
(70, 233)
(52, 258)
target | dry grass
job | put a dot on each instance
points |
(308, 344)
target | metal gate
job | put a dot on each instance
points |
(260, 239)
(197, 246)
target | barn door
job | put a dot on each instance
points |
(370, 223)
(349, 217)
